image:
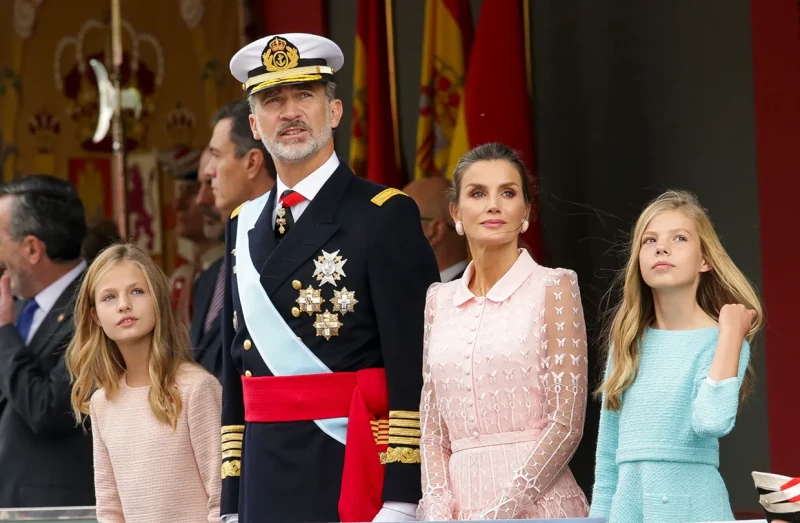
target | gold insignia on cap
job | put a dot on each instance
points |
(280, 55)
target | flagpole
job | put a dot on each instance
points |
(392, 82)
(118, 169)
(526, 17)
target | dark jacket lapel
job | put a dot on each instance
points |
(309, 234)
(261, 237)
(203, 295)
(60, 316)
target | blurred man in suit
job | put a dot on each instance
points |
(450, 248)
(45, 459)
(235, 168)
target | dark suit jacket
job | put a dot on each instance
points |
(45, 458)
(207, 346)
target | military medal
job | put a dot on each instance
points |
(310, 300)
(344, 301)
(327, 325)
(329, 268)
(281, 221)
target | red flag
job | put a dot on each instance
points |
(372, 142)
(308, 16)
(498, 65)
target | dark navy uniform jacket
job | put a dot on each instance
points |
(291, 471)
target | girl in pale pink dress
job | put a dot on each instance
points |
(504, 391)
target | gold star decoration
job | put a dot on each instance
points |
(344, 301)
(310, 300)
(327, 325)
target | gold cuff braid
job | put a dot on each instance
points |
(231, 469)
(400, 455)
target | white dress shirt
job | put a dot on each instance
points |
(450, 273)
(308, 187)
(48, 297)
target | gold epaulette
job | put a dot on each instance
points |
(235, 212)
(232, 438)
(404, 434)
(383, 196)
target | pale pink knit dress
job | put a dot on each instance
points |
(147, 473)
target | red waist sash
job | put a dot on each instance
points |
(360, 396)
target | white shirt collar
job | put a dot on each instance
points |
(311, 184)
(48, 297)
(450, 273)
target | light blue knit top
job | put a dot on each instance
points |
(672, 413)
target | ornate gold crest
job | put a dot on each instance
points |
(280, 55)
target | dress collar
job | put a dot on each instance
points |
(505, 286)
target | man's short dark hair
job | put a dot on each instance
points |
(241, 134)
(49, 209)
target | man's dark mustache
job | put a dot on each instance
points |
(298, 124)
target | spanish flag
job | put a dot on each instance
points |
(496, 105)
(373, 149)
(448, 36)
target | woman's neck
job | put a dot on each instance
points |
(137, 361)
(491, 262)
(677, 309)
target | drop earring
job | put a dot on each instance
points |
(460, 227)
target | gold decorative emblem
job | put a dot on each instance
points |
(330, 268)
(344, 301)
(280, 55)
(327, 325)
(281, 220)
(235, 321)
(310, 300)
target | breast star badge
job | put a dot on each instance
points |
(310, 300)
(329, 268)
(344, 301)
(327, 325)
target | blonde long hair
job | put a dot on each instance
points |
(95, 362)
(723, 284)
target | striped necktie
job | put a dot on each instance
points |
(215, 306)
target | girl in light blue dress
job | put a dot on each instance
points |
(677, 368)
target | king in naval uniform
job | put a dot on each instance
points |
(323, 314)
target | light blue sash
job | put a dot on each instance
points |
(282, 351)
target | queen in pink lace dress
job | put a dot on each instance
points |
(504, 395)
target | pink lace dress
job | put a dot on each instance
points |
(504, 397)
